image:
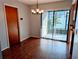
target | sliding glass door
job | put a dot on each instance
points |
(55, 24)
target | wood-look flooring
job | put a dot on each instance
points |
(38, 49)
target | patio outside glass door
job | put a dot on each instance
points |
(55, 24)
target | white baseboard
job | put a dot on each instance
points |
(36, 37)
(20, 41)
(24, 39)
(4, 48)
(8, 47)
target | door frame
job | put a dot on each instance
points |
(53, 17)
(75, 8)
(17, 22)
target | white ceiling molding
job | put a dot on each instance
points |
(31, 2)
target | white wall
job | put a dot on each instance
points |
(23, 12)
(36, 20)
(3, 33)
(35, 25)
(74, 1)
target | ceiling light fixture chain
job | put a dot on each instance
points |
(37, 3)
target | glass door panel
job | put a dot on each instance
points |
(60, 25)
(45, 26)
(55, 25)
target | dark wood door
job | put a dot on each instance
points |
(12, 24)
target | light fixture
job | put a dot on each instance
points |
(37, 10)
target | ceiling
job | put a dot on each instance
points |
(31, 2)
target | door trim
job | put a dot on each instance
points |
(75, 6)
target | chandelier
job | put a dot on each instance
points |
(37, 10)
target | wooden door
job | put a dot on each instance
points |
(12, 24)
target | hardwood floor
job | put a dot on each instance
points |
(33, 48)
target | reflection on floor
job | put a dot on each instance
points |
(55, 36)
(38, 49)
